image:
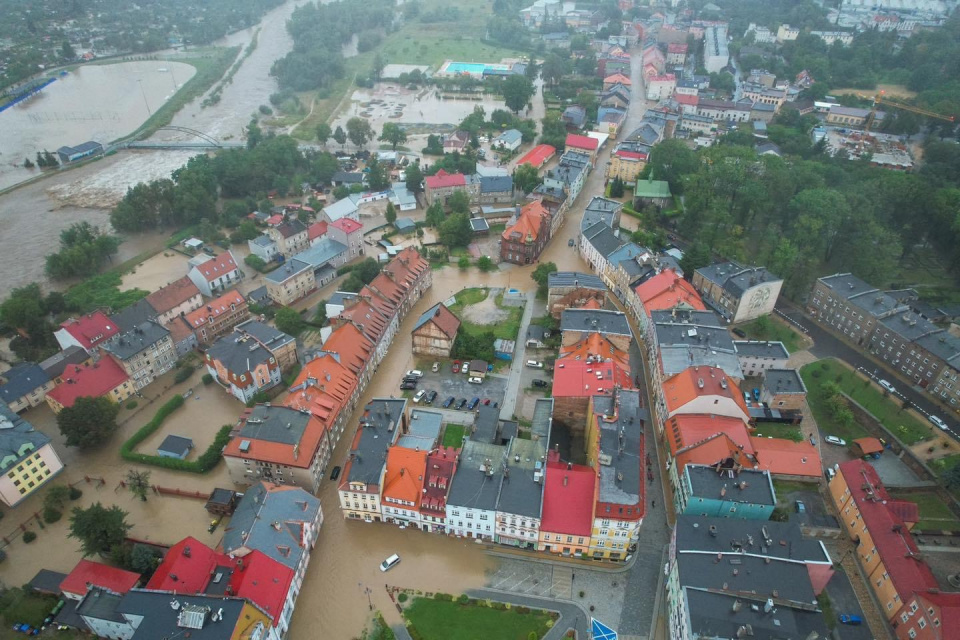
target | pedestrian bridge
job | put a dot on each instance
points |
(204, 141)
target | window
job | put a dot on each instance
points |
(922, 623)
(912, 633)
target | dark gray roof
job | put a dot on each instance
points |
(47, 581)
(380, 426)
(761, 349)
(909, 326)
(22, 379)
(687, 316)
(83, 147)
(865, 296)
(609, 322)
(684, 333)
(471, 487)
(536, 332)
(603, 238)
(238, 355)
(694, 338)
(287, 270)
(783, 381)
(575, 279)
(341, 297)
(320, 254)
(251, 525)
(734, 277)
(786, 542)
(130, 343)
(101, 604)
(485, 424)
(177, 445)
(347, 177)
(620, 445)
(18, 438)
(479, 224)
(134, 315)
(711, 616)
(270, 337)
(943, 345)
(749, 486)
(747, 574)
(259, 295)
(160, 619)
(496, 184)
(275, 424)
(55, 365)
(520, 493)
(404, 224)
(600, 210)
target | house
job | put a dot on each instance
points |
(783, 389)
(435, 332)
(218, 317)
(579, 324)
(103, 378)
(603, 210)
(725, 110)
(349, 233)
(292, 281)
(610, 120)
(25, 385)
(676, 53)
(472, 500)
(583, 144)
(697, 124)
(317, 231)
(574, 116)
(440, 186)
(688, 103)
(88, 574)
(345, 208)
(538, 156)
(588, 368)
(509, 140)
(718, 492)
(83, 150)
(681, 338)
(27, 458)
(756, 356)
(456, 141)
(264, 248)
(279, 444)
(129, 318)
(54, 366)
(346, 179)
(526, 235)
(666, 291)
(145, 352)
(569, 496)
(660, 87)
(403, 480)
(738, 293)
(324, 257)
(716, 56)
(617, 96)
(441, 466)
(290, 236)
(375, 317)
(215, 275)
(701, 390)
(495, 190)
(242, 366)
(175, 447)
(615, 79)
(566, 289)
(596, 243)
(355, 350)
(650, 191)
(178, 297)
(87, 332)
(282, 346)
(328, 390)
(362, 478)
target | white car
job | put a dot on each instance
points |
(414, 373)
(436, 367)
(417, 398)
(475, 380)
(937, 421)
(465, 367)
(840, 442)
(534, 364)
(390, 563)
(886, 385)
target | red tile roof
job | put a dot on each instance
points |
(351, 345)
(869, 445)
(173, 295)
(317, 230)
(347, 225)
(592, 303)
(88, 573)
(715, 449)
(538, 155)
(529, 224)
(214, 308)
(403, 476)
(322, 376)
(445, 321)
(441, 465)
(91, 329)
(695, 382)
(684, 98)
(443, 179)
(596, 345)
(294, 454)
(217, 267)
(667, 290)
(686, 430)
(667, 77)
(581, 142)
(568, 497)
(786, 457)
(367, 317)
(677, 47)
(263, 581)
(580, 379)
(274, 220)
(187, 567)
(630, 155)
(93, 380)
(617, 78)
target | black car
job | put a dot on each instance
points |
(473, 403)
(448, 402)
(539, 383)
(740, 332)
(411, 378)
(405, 386)
(431, 396)
(335, 473)
(462, 403)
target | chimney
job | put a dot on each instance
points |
(565, 479)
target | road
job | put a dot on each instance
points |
(508, 408)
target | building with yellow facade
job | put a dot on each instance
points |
(27, 458)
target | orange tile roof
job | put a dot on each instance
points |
(686, 430)
(384, 306)
(214, 308)
(529, 222)
(175, 293)
(367, 317)
(178, 328)
(786, 457)
(403, 477)
(869, 445)
(299, 454)
(324, 375)
(618, 77)
(714, 449)
(351, 345)
(667, 290)
(592, 303)
(217, 267)
(595, 344)
(685, 387)
(389, 289)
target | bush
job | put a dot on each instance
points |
(207, 460)
(51, 515)
(75, 493)
(402, 597)
(522, 610)
(499, 606)
(446, 597)
(183, 374)
(29, 536)
(463, 599)
(207, 379)
(132, 404)
(255, 262)
(463, 262)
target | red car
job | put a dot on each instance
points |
(456, 366)
(486, 401)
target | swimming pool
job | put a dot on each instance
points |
(473, 68)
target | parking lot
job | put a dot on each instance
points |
(447, 384)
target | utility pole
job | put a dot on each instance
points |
(144, 94)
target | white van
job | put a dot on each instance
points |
(534, 364)
(886, 385)
(390, 563)
(937, 421)
(475, 380)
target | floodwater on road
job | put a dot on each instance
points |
(93, 102)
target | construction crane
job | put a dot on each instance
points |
(879, 99)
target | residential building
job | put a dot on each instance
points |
(738, 293)
(323, 257)
(456, 141)
(103, 378)
(403, 280)
(145, 352)
(242, 366)
(756, 356)
(566, 289)
(215, 275)
(928, 616)
(614, 443)
(676, 53)
(403, 481)
(666, 291)
(435, 332)
(87, 332)
(337, 302)
(578, 324)
(354, 349)
(54, 366)
(830, 37)
(495, 190)
(344, 208)
(616, 79)
(441, 466)
(218, 317)
(596, 243)
(282, 346)
(583, 144)
(295, 279)
(679, 339)
(574, 116)
(610, 120)
(290, 237)
(363, 473)
(24, 385)
(281, 445)
(472, 501)
(349, 233)
(786, 33)
(701, 390)
(509, 140)
(711, 440)
(851, 306)
(526, 235)
(27, 458)
(626, 165)
(129, 318)
(179, 297)
(715, 53)
(328, 390)
(569, 499)
(697, 123)
(317, 231)
(88, 574)
(603, 210)
(917, 348)
(590, 367)
(538, 156)
(783, 389)
(719, 492)
(617, 96)
(660, 87)
(264, 248)
(725, 110)
(440, 186)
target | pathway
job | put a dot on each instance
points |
(509, 406)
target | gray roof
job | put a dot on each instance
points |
(786, 542)
(627, 251)
(747, 574)
(509, 136)
(404, 224)
(291, 227)
(238, 356)
(783, 381)
(258, 295)
(734, 277)
(479, 224)
(761, 349)
(485, 424)
(251, 525)
(134, 315)
(423, 430)
(711, 616)
(520, 494)
(575, 279)
(55, 365)
(380, 426)
(340, 209)
(675, 358)
(347, 177)
(19, 439)
(47, 581)
(603, 238)
(266, 335)
(274, 424)
(943, 345)
(321, 253)
(130, 343)
(101, 604)
(609, 322)
(749, 486)
(341, 297)
(496, 184)
(621, 433)
(472, 488)
(263, 241)
(909, 326)
(847, 285)
(646, 133)
(176, 444)
(160, 619)
(600, 210)
(571, 166)
(22, 379)
(83, 147)
(427, 316)
(865, 296)
(287, 270)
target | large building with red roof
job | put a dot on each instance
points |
(538, 156)
(583, 144)
(217, 274)
(569, 497)
(526, 235)
(440, 186)
(89, 574)
(665, 291)
(218, 317)
(180, 296)
(593, 366)
(928, 616)
(102, 378)
(701, 390)
(87, 332)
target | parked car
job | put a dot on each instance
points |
(436, 367)
(886, 385)
(417, 398)
(801, 508)
(414, 373)
(539, 383)
(937, 421)
(465, 367)
(534, 364)
(456, 366)
(740, 333)
(473, 403)
(431, 396)
(475, 380)
(570, 242)
(335, 473)
(830, 473)
(846, 618)
(390, 563)
(406, 385)
(462, 403)
(840, 442)
(449, 401)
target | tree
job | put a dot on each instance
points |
(394, 134)
(526, 178)
(28, 163)
(254, 134)
(459, 202)
(554, 131)
(323, 133)
(139, 483)
(517, 91)
(485, 264)
(378, 65)
(435, 215)
(616, 188)
(340, 136)
(67, 52)
(951, 477)
(255, 262)
(320, 317)
(89, 422)
(98, 528)
(289, 321)
(696, 256)
(455, 230)
(377, 177)
(359, 131)
(414, 178)
(463, 263)
(56, 497)
(391, 213)
(143, 558)
(541, 275)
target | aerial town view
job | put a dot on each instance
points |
(480, 320)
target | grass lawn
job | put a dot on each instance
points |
(507, 329)
(773, 430)
(442, 620)
(453, 435)
(774, 330)
(784, 487)
(942, 465)
(888, 411)
(934, 514)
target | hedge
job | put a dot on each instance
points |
(207, 460)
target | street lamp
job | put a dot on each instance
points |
(367, 591)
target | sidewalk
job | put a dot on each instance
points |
(509, 406)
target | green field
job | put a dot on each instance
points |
(889, 411)
(507, 329)
(443, 620)
(785, 431)
(934, 514)
(453, 436)
(774, 330)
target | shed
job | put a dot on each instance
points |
(479, 226)
(175, 447)
(47, 581)
(222, 502)
(193, 243)
(867, 447)
(503, 349)
(478, 368)
(404, 225)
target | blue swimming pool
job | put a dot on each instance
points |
(473, 68)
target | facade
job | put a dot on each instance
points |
(917, 348)
(214, 276)
(676, 53)
(472, 501)
(145, 353)
(362, 477)
(756, 356)
(242, 366)
(661, 87)
(746, 494)
(569, 498)
(27, 458)
(179, 297)
(328, 390)
(509, 140)
(441, 466)
(526, 235)
(701, 390)
(103, 378)
(725, 110)
(571, 289)
(783, 389)
(435, 331)
(738, 293)
(292, 281)
(290, 237)
(928, 616)
(851, 306)
(24, 385)
(218, 317)
(596, 244)
(495, 190)
(349, 233)
(87, 332)
(442, 185)
(403, 480)
(264, 248)
(626, 165)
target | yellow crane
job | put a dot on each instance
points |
(879, 99)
